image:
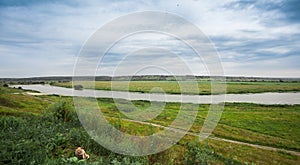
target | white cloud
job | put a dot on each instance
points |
(45, 38)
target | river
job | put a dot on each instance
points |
(258, 98)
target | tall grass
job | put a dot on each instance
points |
(52, 137)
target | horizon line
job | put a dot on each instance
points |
(226, 76)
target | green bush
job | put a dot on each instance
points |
(62, 110)
(32, 140)
(198, 154)
(10, 123)
(78, 87)
(21, 141)
(203, 154)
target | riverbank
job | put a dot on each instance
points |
(184, 87)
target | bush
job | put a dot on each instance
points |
(62, 110)
(198, 154)
(10, 122)
(78, 87)
(19, 142)
(5, 85)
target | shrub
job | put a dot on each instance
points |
(10, 122)
(78, 87)
(19, 142)
(198, 154)
(62, 110)
(5, 85)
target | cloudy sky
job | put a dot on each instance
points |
(253, 37)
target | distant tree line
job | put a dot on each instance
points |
(43, 80)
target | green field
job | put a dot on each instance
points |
(272, 125)
(45, 130)
(204, 87)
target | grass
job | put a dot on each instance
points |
(45, 130)
(12, 102)
(204, 87)
(270, 125)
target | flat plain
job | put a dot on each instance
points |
(184, 87)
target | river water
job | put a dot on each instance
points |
(259, 98)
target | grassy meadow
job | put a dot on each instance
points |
(204, 87)
(46, 130)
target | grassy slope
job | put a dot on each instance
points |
(55, 139)
(13, 102)
(204, 87)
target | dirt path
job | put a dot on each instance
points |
(219, 139)
(256, 146)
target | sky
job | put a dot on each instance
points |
(258, 38)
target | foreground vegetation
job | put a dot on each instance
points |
(46, 130)
(204, 87)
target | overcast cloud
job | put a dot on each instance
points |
(253, 37)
